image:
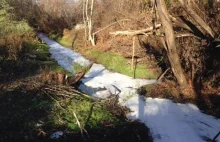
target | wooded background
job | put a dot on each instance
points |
(184, 34)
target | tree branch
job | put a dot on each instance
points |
(110, 25)
(187, 7)
(136, 32)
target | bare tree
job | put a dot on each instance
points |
(87, 16)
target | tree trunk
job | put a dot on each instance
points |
(84, 18)
(186, 4)
(87, 18)
(171, 45)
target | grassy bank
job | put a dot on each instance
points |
(110, 60)
(32, 59)
(119, 64)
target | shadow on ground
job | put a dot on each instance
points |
(29, 112)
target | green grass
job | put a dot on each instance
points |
(82, 110)
(113, 62)
(78, 68)
(29, 110)
(43, 57)
(65, 42)
(119, 64)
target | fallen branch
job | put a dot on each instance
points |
(77, 77)
(187, 7)
(148, 32)
(185, 35)
(172, 52)
(81, 128)
(176, 35)
(110, 25)
(180, 23)
(216, 136)
(136, 32)
(78, 123)
(162, 75)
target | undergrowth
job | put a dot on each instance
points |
(42, 57)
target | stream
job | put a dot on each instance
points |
(167, 121)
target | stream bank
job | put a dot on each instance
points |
(168, 121)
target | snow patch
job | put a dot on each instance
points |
(64, 56)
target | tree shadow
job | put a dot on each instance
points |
(192, 26)
(207, 81)
(31, 115)
(159, 55)
(22, 114)
(160, 114)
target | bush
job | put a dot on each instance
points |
(12, 33)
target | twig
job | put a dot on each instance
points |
(81, 128)
(116, 89)
(162, 75)
(77, 121)
(54, 100)
(66, 91)
(110, 25)
(90, 113)
(216, 136)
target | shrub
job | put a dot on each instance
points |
(12, 33)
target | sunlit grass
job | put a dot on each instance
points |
(83, 112)
(43, 58)
(65, 42)
(113, 62)
(119, 64)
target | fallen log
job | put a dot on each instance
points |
(77, 77)
(149, 30)
(136, 32)
(186, 5)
